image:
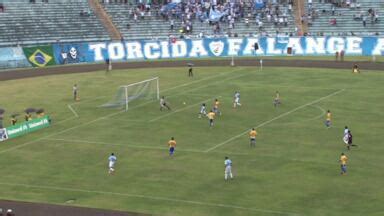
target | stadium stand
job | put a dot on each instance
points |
(138, 21)
(345, 18)
(47, 21)
(23, 22)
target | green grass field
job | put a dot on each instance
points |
(293, 170)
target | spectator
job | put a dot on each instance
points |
(333, 22)
(260, 25)
(348, 3)
(172, 23)
(142, 14)
(364, 21)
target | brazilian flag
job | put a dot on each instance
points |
(40, 56)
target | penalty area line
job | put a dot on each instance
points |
(275, 118)
(73, 111)
(159, 198)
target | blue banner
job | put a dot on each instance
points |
(215, 15)
(169, 7)
(71, 53)
(259, 4)
(220, 47)
(13, 57)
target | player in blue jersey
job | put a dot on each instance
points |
(111, 163)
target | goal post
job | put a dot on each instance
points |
(144, 90)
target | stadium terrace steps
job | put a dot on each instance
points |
(344, 18)
(27, 23)
(154, 26)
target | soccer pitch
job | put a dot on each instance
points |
(293, 170)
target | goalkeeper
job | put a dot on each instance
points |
(163, 104)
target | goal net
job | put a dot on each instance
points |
(144, 90)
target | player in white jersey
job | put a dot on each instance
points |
(163, 104)
(228, 168)
(236, 100)
(203, 110)
(111, 163)
(346, 130)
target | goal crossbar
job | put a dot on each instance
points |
(146, 89)
(136, 83)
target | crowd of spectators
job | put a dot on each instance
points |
(336, 14)
(228, 15)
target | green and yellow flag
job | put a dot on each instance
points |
(39, 56)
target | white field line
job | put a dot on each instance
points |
(73, 111)
(64, 120)
(86, 100)
(76, 115)
(179, 110)
(273, 119)
(70, 106)
(134, 146)
(306, 120)
(105, 143)
(197, 81)
(158, 198)
(70, 141)
(90, 122)
(194, 89)
(54, 134)
(196, 95)
(261, 85)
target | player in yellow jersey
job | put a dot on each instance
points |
(252, 137)
(216, 104)
(172, 146)
(343, 163)
(13, 119)
(277, 100)
(328, 120)
(211, 117)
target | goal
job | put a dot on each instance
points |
(144, 90)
